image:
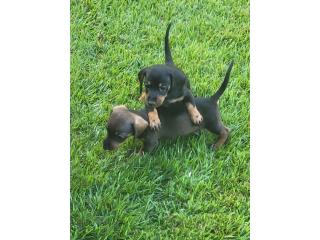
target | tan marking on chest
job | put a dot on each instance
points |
(176, 99)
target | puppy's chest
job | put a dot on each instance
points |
(173, 97)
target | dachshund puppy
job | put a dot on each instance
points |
(166, 84)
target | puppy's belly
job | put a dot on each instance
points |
(178, 126)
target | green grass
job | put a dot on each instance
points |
(183, 190)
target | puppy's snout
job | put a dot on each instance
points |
(152, 102)
(109, 145)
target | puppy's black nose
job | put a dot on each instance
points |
(151, 101)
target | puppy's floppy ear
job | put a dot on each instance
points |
(139, 125)
(141, 76)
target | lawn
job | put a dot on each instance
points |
(183, 190)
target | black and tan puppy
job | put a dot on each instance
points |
(175, 122)
(166, 84)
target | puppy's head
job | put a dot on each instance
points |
(157, 83)
(122, 124)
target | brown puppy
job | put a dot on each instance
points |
(175, 122)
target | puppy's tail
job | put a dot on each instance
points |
(224, 84)
(167, 50)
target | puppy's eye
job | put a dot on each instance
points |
(163, 88)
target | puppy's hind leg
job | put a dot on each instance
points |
(223, 134)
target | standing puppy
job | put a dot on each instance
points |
(124, 122)
(166, 84)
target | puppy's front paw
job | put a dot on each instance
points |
(214, 147)
(141, 152)
(196, 118)
(154, 121)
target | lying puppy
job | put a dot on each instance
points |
(166, 84)
(175, 122)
